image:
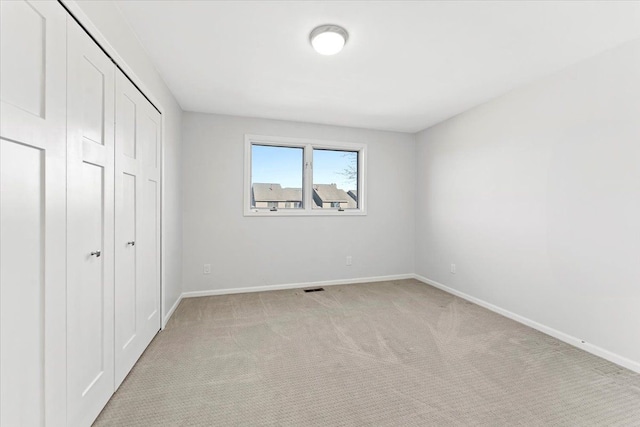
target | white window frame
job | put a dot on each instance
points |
(307, 178)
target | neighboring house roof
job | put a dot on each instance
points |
(323, 193)
(265, 192)
(330, 193)
(353, 194)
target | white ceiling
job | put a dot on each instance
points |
(406, 66)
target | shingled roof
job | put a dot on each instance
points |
(323, 193)
(330, 193)
(265, 192)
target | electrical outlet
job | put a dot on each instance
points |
(206, 269)
(349, 260)
(453, 269)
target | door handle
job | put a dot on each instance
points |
(96, 254)
(131, 243)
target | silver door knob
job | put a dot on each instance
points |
(95, 254)
(131, 243)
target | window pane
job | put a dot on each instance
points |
(276, 177)
(335, 179)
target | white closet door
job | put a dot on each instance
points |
(90, 201)
(150, 131)
(32, 213)
(137, 285)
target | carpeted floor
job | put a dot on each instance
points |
(382, 354)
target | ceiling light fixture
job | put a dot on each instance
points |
(328, 39)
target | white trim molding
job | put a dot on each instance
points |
(166, 318)
(194, 294)
(569, 339)
(229, 291)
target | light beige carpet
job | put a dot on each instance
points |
(381, 354)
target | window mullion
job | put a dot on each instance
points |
(307, 177)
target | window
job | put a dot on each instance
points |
(288, 176)
(335, 179)
(276, 177)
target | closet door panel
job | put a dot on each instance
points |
(92, 86)
(137, 303)
(128, 345)
(150, 288)
(86, 318)
(22, 292)
(126, 128)
(150, 131)
(90, 260)
(23, 54)
(126, 324)
(150, 140)
(32, 213)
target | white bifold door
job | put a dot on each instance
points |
(90, 227)
(137, 225)
(32, 213)
(80, 151)
(113, 199)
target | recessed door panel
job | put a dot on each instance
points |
(127, 126)
(149, 139)
(86, 330)
(23, 44)
(126, 265)
(93, 93)
(22, 284)
(149, 290)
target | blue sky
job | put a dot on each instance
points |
(283, 165)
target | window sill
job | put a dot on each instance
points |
(332, 212)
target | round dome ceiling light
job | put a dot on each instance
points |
(328, 39)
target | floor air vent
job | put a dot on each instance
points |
(314, 290)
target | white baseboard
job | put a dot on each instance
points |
(576, 342)
(172, 310)
(227, 291)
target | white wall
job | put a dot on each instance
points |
(535, 197)
(261, 251)
(105, 22)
